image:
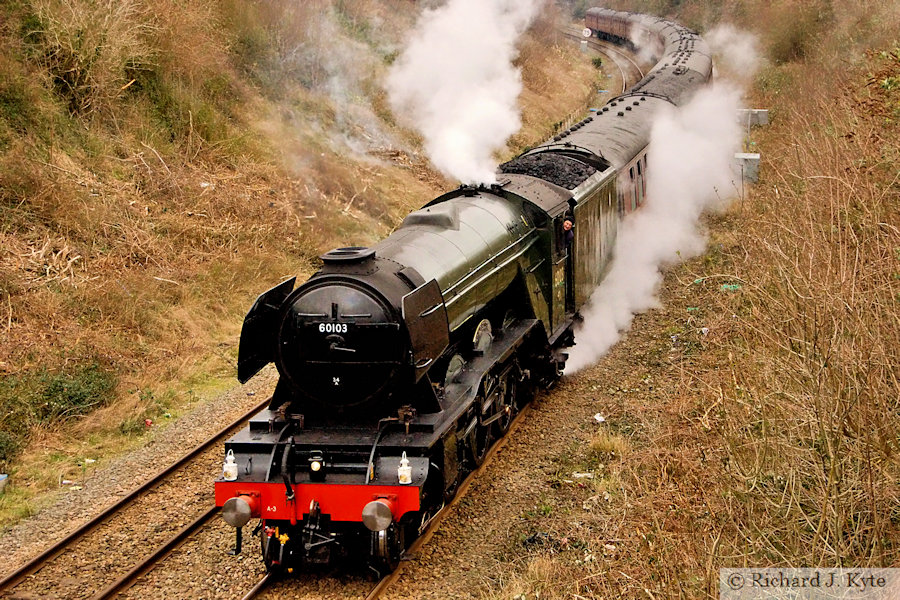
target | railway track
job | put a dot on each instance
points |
(629, 69)
(149, 562)
(71, 568)
(26, 583)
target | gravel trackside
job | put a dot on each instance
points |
(105, 485)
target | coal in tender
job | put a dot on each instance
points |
(557, 169)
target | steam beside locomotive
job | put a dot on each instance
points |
(400, 364)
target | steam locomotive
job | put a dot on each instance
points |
(400, 364)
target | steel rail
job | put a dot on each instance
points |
(259, 587)
(38, 562)
(610, 46)
(150, 561)
(609, 49)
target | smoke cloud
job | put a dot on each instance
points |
(737, 51)
(690, 164)
(648, 47)
(455, 82)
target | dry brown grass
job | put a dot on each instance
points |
(772, 439)
(87, 49)
(543, 577)
(145, 203)
(607, 446)
(815, 375)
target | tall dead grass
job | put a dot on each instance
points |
(804, 400)
(87, 49)
(813, 428)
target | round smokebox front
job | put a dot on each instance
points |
(339, 345)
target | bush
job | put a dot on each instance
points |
(795, 29)
(9, 446)
(86, 48)
(67, 395)
(46, 398)
(579, 9)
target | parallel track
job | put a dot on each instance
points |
(631, 71)
(146, 565)
(37, 563)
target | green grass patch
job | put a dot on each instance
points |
(15, 504)
(152, 408)
(47, 398)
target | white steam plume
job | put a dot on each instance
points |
(737, 51)
(690, 163)
(649, 46)
(456, 83)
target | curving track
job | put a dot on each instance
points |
(631, 72)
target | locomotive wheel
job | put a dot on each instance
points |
(479, 442)
(505, 403)
(387, 546)
(482, 436)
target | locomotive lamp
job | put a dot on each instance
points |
(316, 466)
(404, 471)
(230, 468)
